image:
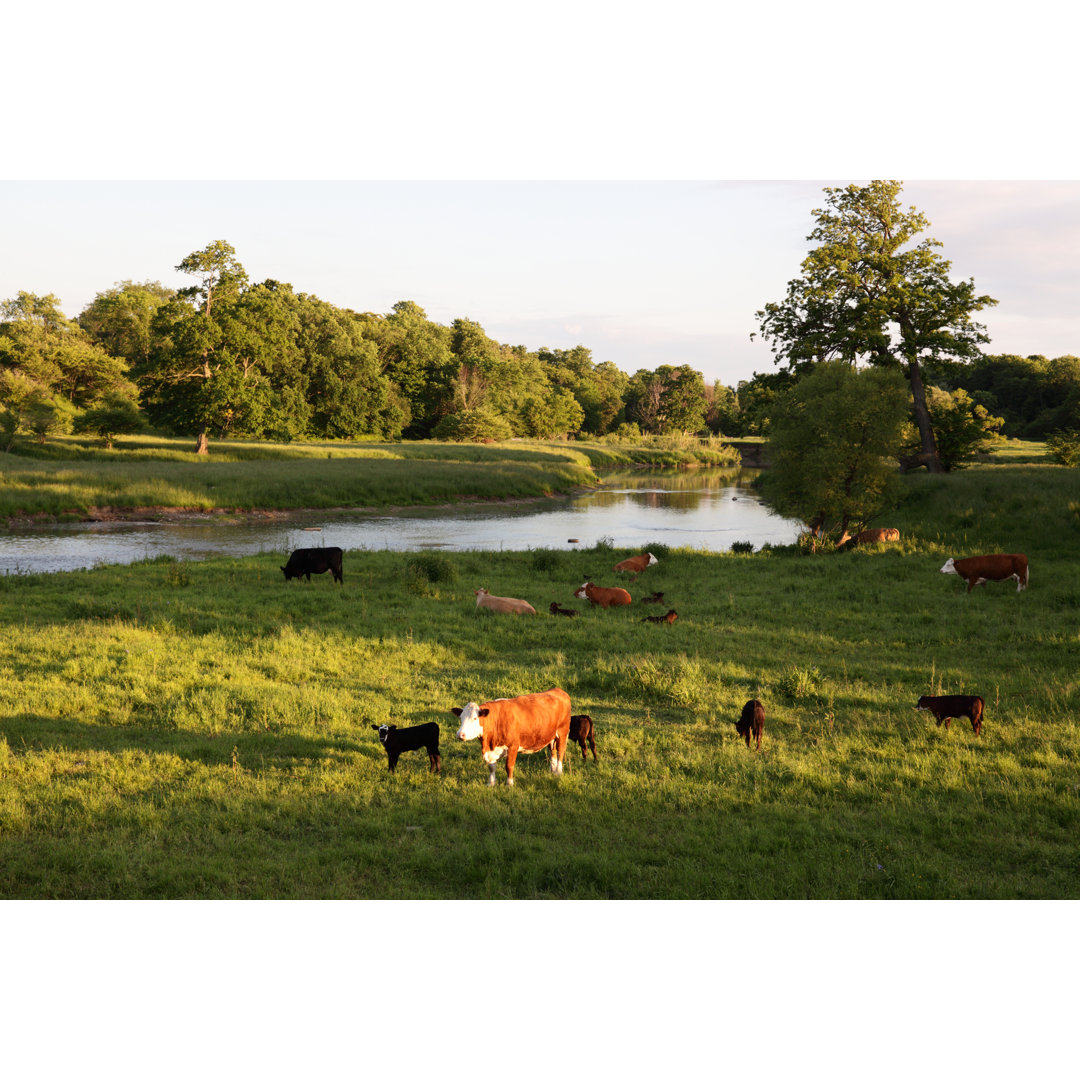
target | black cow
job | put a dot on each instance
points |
(304, 562)
(581, 731)
(398, 740)
(752, 721)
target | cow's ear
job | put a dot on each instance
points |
(456, 712)
(484, 712)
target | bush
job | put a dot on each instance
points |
(742, 547)
(432, 568)
(1064, 447)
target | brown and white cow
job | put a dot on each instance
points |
(598, 596)
(874, 536)
(979, 569)
(637, 563)
(523, 725)
(506, 605)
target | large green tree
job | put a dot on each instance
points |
(872, 291)
(832, 446)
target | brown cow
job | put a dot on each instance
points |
(581, 732)
(752, 721)
(523, 724)
(947, 706)
(636, 563)
(601, 597)
(979, 569)
(874, 536)
(506, 605)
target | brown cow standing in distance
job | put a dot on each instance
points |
(581, 732)
(752, 721)
(947, 706)
(979, 569)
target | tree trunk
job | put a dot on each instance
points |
(928, 454)
(202, 445)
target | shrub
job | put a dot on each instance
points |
(431, 567)
(1064, 447)
(742, 547)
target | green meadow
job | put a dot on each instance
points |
(203, 729)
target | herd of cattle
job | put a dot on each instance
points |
(543, 721)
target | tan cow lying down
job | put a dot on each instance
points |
(979, 569)
(637, 563)
(523, 724)
(601, 597)
(875, 536)
(504, 604)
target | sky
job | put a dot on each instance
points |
(636, 178)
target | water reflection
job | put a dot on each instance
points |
(706, 509)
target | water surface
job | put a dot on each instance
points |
(706, 509)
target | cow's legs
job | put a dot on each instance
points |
(511, 757)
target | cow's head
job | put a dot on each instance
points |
(652, 559)
(581, 593)
(949, 567)
(384, 730)
(471, 728)
(480, 592)
(924, 701)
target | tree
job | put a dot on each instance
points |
(120, 319)
(117, 416)
(963, 428)
(832, 447)
(869, 292)
(667, 400)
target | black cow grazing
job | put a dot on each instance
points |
(304, 562)
(581, 732)
(656, 598)
(670, 617)
(949, 705)
(398, 740)
(752, 721)
(556, 610)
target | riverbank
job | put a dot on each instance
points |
(68, 479)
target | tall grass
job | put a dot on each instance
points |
(203, 729)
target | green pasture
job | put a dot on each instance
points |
(179, 729)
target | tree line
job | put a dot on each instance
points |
(226, 357)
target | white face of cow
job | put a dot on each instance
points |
(949, 567)
(652, 560)
(580, 594)
(471, 728)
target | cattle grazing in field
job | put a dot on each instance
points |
(523, 725)
(979, 569)
(399, 740)
(636, 563)
(656, 598)
(582, 732)
(752, 721)
(556, 610)
(874, 536)
(947, 706)
(506, 605)
(304, 562)
(670, 617)
(601, 597)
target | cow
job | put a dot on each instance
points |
(752, 721)
(947, 706)
(304, 562)
(556, 610)
(506, 605)
(523, 724)
(601, 597)
(582, 731)
(874, 536)
(979, 569)
(656, 598)
(399, 740)
(670, 617)
(636, 564)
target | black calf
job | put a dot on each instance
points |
(752, 721)
(398, 740)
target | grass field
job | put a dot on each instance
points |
(173, 729)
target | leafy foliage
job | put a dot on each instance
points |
(1064, 447)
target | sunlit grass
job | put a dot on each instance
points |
(203, 729)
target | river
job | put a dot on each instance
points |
(705, 509)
